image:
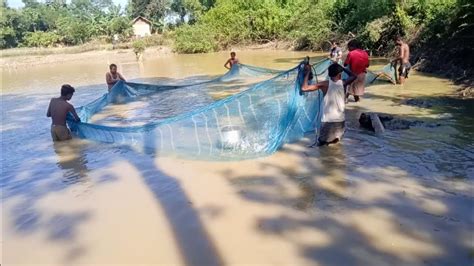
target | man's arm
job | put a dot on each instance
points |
(120, 76)
(227, 63)
(73, 111)
(307, 87)
(108, 78)
(400, 55)
(348, 60)
(48, 113)
(351, 77)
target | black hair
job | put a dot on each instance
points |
(334, 70)
(67, 89)
(232, 53)
(398, 38)
(354, 44)
(112, 65)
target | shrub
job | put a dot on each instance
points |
(194, 39)
(138, 47)
(310, 29)
(41, 39)
(153, 40)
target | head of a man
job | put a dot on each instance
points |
(335, 71)
(398, 40)
(67, 91)
(232, 55)
(335, 44)
(113, 68)
(353, 45)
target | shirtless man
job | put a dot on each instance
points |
(232, 61)
(403, 59)
(58, 110)
(113, 76)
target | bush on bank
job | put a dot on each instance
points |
(310, 24)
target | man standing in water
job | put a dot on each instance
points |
(333, 119)
(358, 62)
(231, 61)
(403, 59)
(58, 110)
(113, 76)
(335, 54)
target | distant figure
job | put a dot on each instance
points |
(58, 110)
(335, 54)
(113, 76)
(358, 61)
(333, 118)
(403, 58)
(115, 40)
(231, 61)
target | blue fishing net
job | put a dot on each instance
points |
(249, 124)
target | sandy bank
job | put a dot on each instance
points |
(22, 61)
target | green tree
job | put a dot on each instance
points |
(11, 25)
(151, 9)
(74, 30)
(41, 39)
(190, 8)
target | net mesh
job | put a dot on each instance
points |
(249, 124)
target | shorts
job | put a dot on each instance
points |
(404, 69)
(358, 86)
(60, 133)
(331, 131)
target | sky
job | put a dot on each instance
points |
(19, 3)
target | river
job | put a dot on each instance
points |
(403, 198)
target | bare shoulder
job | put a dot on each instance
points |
(69, 106)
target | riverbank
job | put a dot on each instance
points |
(59, 56)
(26, 57)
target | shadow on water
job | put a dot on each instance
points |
(30, 165)
(193, 242)
(452, 111)
(195, 246)
(360, 230)
(374, 200)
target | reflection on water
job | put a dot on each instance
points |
(327, 184)
(72, 160)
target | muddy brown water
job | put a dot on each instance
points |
(404, 198)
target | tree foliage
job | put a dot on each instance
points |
(209, 25)
(55, 22)
(312, 23)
